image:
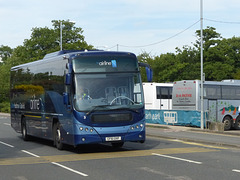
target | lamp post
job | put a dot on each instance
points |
(61, 30)
(202, 75)
(61, 36)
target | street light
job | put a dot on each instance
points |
(61, 36)
(202, 75)
(61, 28)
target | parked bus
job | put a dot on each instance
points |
(158, 95)
(221, 100)
(77, 97)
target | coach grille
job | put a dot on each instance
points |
(111, 118)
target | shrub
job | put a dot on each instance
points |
(5, 107)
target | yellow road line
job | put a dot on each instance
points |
(23, 160)
(103, 155)
(198, 144)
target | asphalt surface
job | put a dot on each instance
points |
(170, 152)
(227, 138)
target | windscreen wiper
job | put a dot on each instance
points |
(128, 109)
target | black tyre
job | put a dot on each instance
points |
(24, 130)
(57, 136)
(227, 123)
(237, 123)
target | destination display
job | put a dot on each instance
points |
(104, 64)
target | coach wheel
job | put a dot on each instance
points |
(24, 130)
(237, 123)
(57, 136)
(227, 123)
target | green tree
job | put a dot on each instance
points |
(168, 68)
(72, 36)
(190, 57)
(221, 60)
(218, 61)
(219, 56)
(233, 54)
(5, 53)
(4, 88)
(43, 41)
(210, 37)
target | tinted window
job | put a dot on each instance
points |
(212, 91)
(230, 92)
(164, 92)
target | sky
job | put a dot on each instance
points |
(152, 26)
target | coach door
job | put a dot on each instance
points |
(164, 97)
(212, 110)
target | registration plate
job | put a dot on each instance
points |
(116, 138)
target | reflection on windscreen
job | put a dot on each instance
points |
(107, 91)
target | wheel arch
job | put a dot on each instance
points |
(23, 117)
(54, 122)
(226, 120)
(227, 116)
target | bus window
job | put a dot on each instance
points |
(164, 92)
(237, 95)
(230, 92)
(170, 93)
(212, 92)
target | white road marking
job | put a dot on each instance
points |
(34, 155)
(171, 157)
(235, 170)
(166, 176)
(57, 164)
(69, 169)
(6, 144)
(7, 124)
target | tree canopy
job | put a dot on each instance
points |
(42, 41)
(46, 40)
(221, 59)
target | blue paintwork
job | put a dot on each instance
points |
(47, 83)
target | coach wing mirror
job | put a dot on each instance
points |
(149, 71)
(68, 79)
(149, 74)
(69, 67)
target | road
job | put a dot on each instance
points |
(158, 158)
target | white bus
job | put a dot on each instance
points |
(221, 100)
(158, 95)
